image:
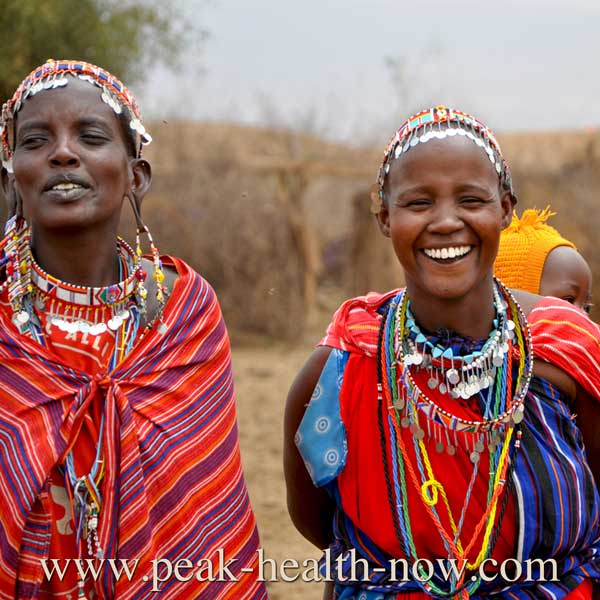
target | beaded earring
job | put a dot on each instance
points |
(17, 258)
(158, 274)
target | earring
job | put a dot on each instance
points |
(17, 258)
(376, 200)
(158, 274)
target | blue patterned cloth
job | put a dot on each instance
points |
(321, 437)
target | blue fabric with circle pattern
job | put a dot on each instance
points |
(321, 436)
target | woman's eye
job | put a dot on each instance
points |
(94, 138)
(418, 203)
(32, 141)
(471, 200)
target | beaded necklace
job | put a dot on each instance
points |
(58, 298)
(402, 403)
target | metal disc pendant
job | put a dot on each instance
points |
(162, 329)
(450, 449)
(98, 329)
(71, 327)
(474, 456)
(443, 388)
(405, 422)
(479, 447)
(418, 433)
(439, 447)
(22, 317)
(114, 323)
(432, 383)
(452, 376)
(517, 416)
(497, 360)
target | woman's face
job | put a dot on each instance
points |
(71, 165)
(444, 212)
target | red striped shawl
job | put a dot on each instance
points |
(564, 336)
(173, 486)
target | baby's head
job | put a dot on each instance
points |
(534, 257)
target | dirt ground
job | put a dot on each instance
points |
(263, 375)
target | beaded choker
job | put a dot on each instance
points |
(85, 304)
(468, 374)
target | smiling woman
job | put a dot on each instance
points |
(117, 418)
(436, 424)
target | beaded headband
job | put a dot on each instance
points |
(439, 123)
(54, 74)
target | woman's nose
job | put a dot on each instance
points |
(62, 154)
(446, 219)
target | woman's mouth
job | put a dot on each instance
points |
(448, 254)
(66, 191)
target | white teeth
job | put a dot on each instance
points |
(450, 252)
(66, 186)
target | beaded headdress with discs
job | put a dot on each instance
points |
(438, 123)
(55, 73)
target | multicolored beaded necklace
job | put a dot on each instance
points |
(402, 404)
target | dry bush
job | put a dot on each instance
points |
(371, 263)
(228, 221)
(229, 229)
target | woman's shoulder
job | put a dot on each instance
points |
(181, 282)
(526, 300)
(355, 325)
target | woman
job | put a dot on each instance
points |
(117, 419)
(435, 425)
(534, 257)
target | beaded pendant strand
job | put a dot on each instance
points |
(404, 406)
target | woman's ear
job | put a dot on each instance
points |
(507, 204)
(10, 191)
(380, 210)
(141, 178)
(383, 220)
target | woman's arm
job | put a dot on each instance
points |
(310, 508)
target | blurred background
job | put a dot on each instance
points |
(269, 120)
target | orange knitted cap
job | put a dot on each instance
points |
(524, 246)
